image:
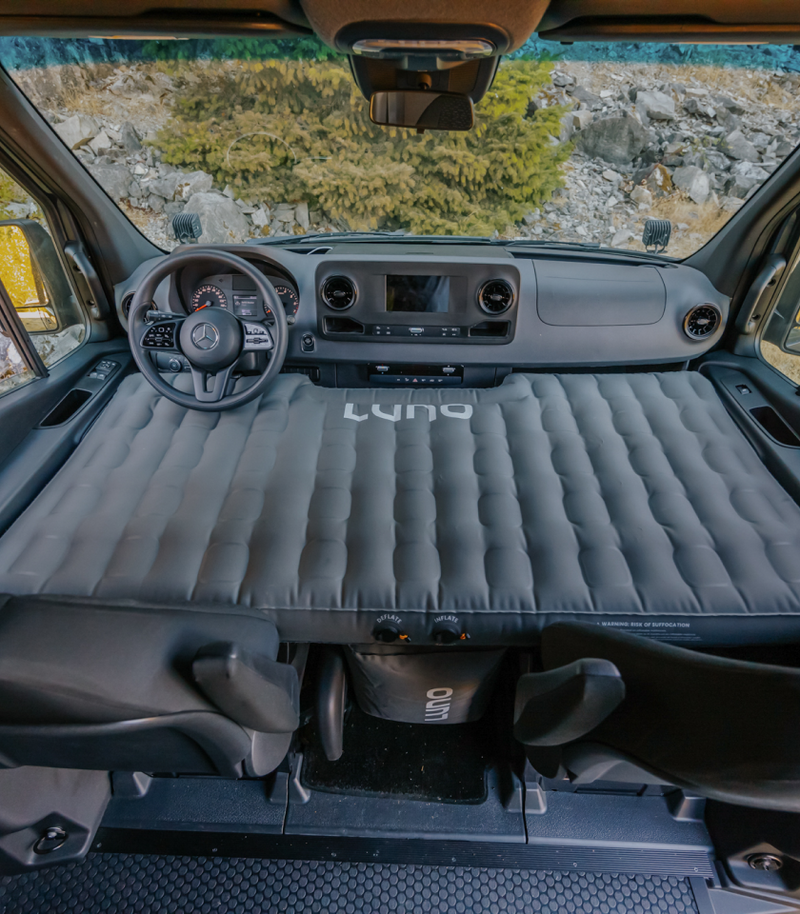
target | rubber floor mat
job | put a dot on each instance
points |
(128, 883)
(387, 758)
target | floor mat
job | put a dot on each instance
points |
(418, 761)
(201, 885)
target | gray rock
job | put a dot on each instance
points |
(114, 179)
(585, 97)
(285, 213)
(699, 108)
(222, 221)
(563, 79)
(156, 203)
(261, 217)
(77, 130)
(740, 186)
(761, 141)
(621, 237)
(618, 140)
(724, 101)
(641, 195)
(129, 139)
(737, 146)
(749, 170)
(727, 120)
(717, 160)
(656, 105)
(165, 186)
(567, 129)
(174, 207)
(196, 182)
(581, 119)
(694, 182)
(101, 144)
(301, 214)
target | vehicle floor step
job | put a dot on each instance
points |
(174, 885)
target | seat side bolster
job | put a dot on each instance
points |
(564, 704)
(255, 691)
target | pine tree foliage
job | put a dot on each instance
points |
(299, 130)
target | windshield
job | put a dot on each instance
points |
(271, 139)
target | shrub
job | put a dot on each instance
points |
(299, 130)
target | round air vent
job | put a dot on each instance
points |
(338, 292)
(701, 322)
(126, 303)
(496, 296)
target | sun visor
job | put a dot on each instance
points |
(679, 21)
(141, 19)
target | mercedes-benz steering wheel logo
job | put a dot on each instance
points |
(205, 336)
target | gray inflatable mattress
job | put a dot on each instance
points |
(627, 500)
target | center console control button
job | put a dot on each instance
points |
(417, 331)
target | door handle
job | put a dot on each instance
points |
(81, 264)
(749, 314)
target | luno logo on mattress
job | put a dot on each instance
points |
(395, 413)
(438, 705)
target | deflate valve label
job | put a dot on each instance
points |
(438, 705)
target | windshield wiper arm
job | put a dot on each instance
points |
(376, 235)
(332, 236)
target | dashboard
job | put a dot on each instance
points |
(404, 314)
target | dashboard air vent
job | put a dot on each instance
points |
(701, 322)
(496, 296)
(126, 303)
(338, 292)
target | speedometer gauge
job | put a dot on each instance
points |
(290, 300)
(207, 295)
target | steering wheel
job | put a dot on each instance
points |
(211, 339)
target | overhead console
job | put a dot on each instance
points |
(383, 300)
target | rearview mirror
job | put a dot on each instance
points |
(421, 109)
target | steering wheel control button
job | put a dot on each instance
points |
(447, 630)
(160, 336)
(256, 336)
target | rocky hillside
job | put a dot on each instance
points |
(685, 143)
(672, 140)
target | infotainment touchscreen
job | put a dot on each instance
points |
(430, 294)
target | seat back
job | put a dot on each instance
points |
(138, 688)
(727, 729)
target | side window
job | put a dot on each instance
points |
(780, 343)
(39, 292)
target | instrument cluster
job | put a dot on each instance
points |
(238, 294)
